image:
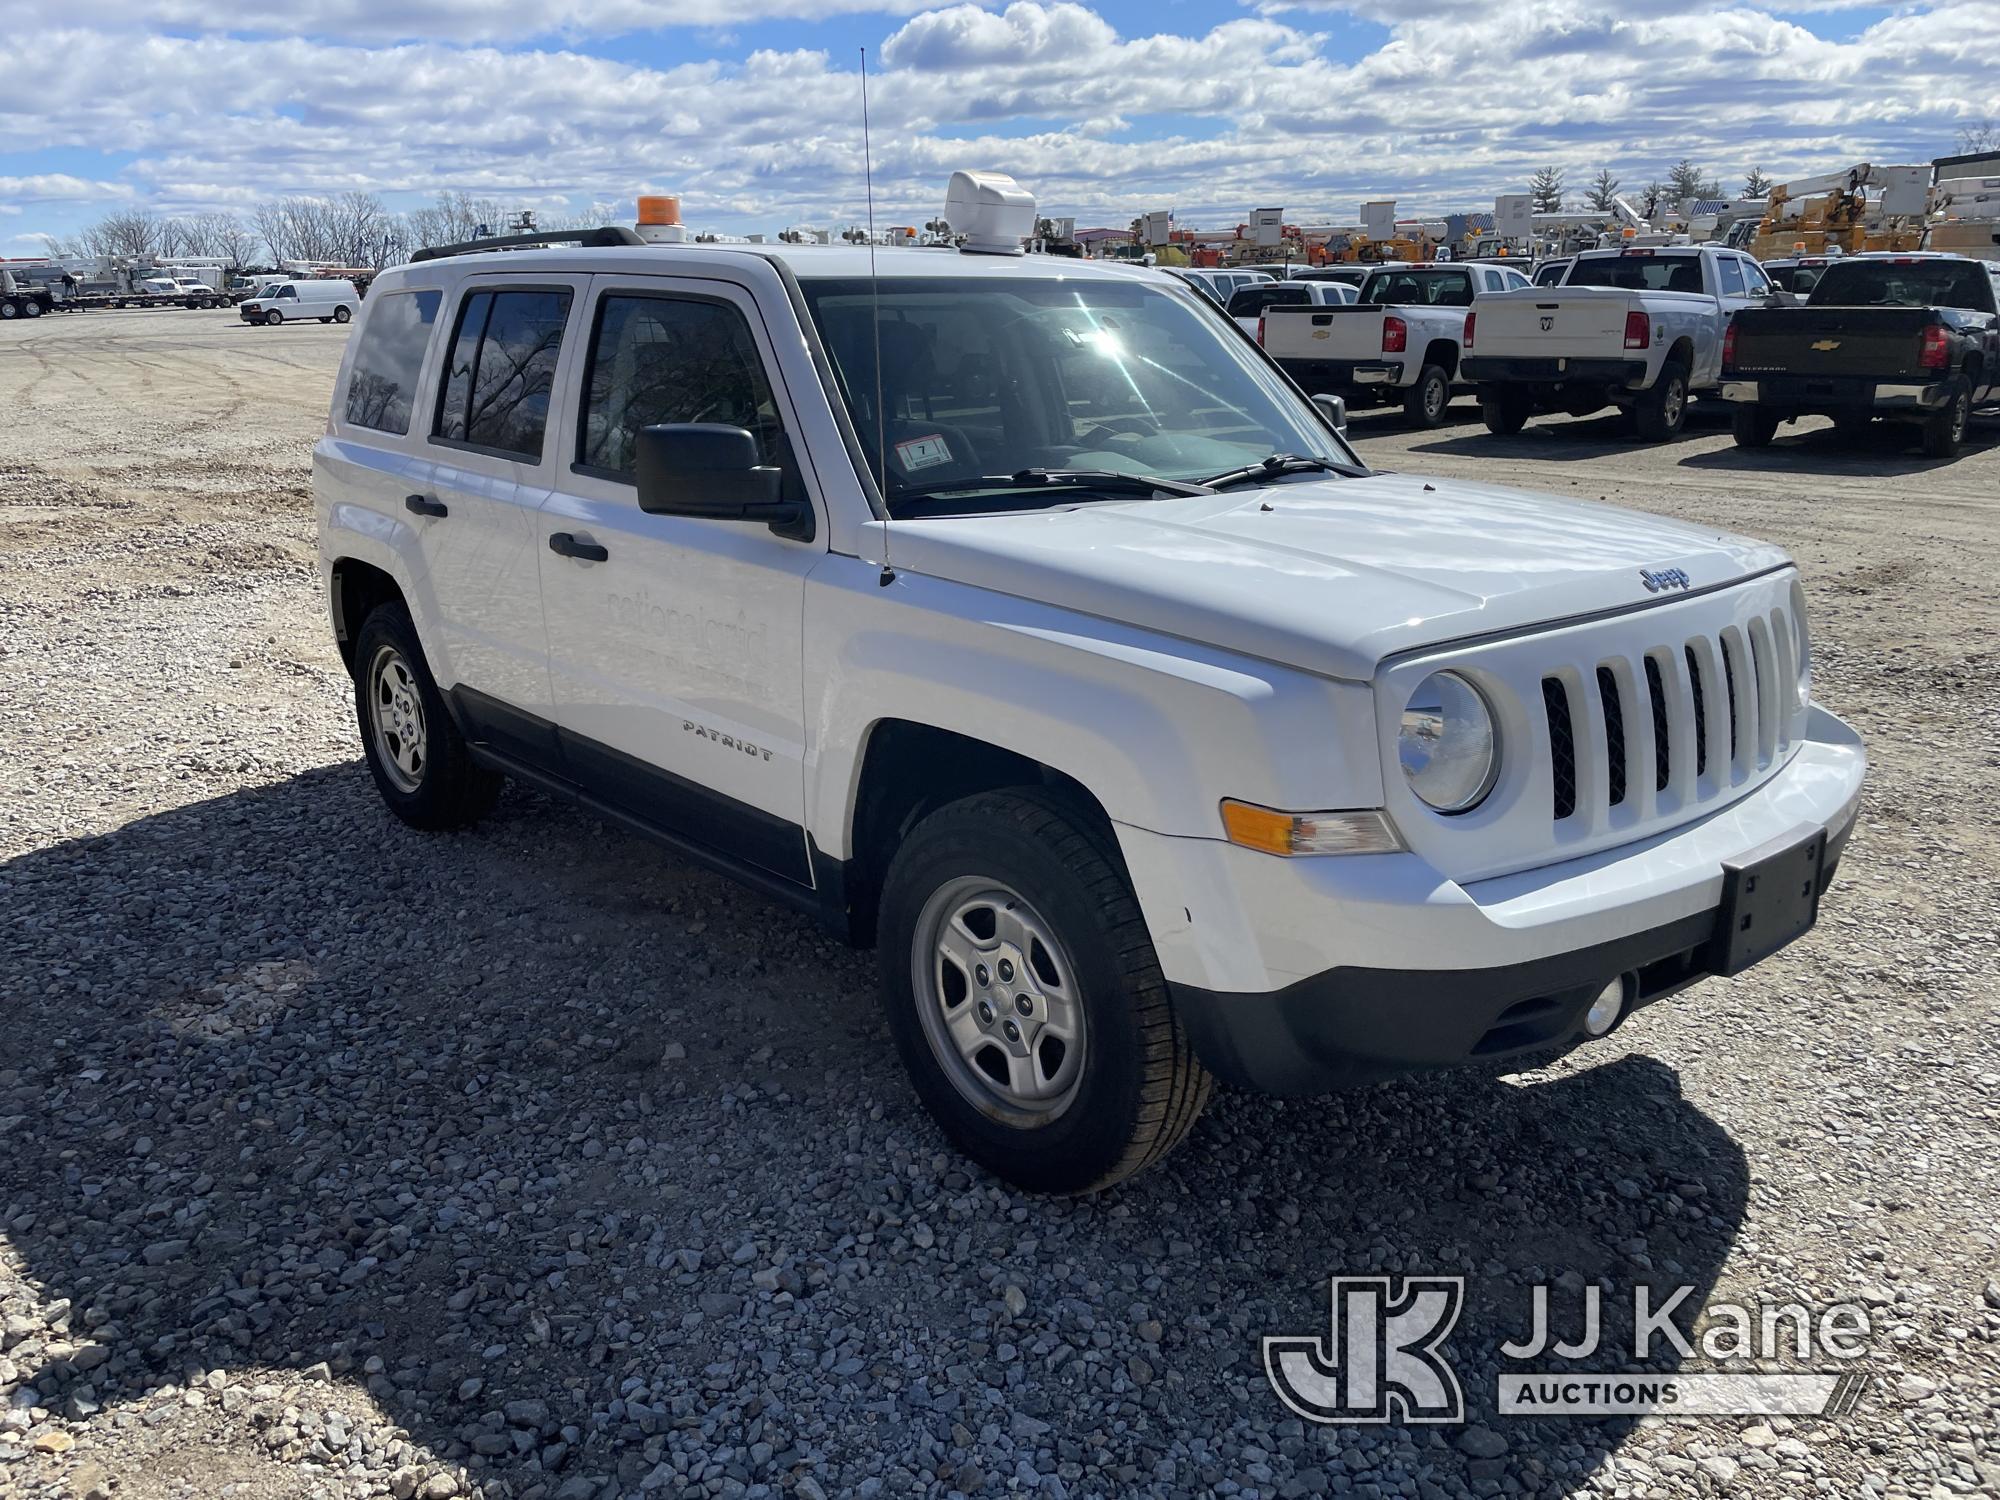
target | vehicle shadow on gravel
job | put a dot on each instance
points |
(1569, 440)
(1886, 449)
(598, 1175)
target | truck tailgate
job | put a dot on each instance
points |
(1587, 323)
(1351, 331)
(1880, 342)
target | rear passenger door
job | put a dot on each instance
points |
(677, 652)
(490, 445)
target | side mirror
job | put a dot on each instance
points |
(1334, 409)
(710, 470)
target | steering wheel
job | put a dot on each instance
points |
(1129, 427)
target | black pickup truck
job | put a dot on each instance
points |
(1914, 338)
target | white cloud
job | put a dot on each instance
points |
(1461, 102)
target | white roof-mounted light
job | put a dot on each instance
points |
(991, 212)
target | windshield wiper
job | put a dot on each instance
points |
(1105, 481)
(1272, 467)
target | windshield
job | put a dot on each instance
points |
(999, 375)
(1904, 283)
(1639, 273)
(1419, 288)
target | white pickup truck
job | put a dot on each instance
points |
(1399, 343)
(1016, 616)
(1640, 329)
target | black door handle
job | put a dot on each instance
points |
(423, 505)
(565, 545)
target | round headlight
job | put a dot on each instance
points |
(1447, 744)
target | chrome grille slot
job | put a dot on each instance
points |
(1729, 691)
(1614, 735)
(1662, 752)
(1700, 712)
(1562, 747)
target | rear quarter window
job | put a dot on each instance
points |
(388, 358)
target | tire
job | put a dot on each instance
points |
(31, 309)
(1505, 412)
(1425, 402)
(1753, 425)
(10, 310)
(1023, 880)
(1661, 411)
(420, 762)
(273, 318)
(1944, 429)
(341, 315)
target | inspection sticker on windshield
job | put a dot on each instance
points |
(922, 453)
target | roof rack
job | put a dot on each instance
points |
(604, 238)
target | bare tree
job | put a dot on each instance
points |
(454, 217)
(1602, 194)
(1980, 135)
(133, 234)
(1546, 187)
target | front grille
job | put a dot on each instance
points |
(1713, 712)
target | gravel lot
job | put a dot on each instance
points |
(338, 1160)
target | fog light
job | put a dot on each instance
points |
(1605, 1009)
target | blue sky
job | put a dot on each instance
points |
(749, 108)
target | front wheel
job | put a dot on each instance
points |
(1424, 403)
(1025, 998)
(420, 762)
(1753, 426)
(1660, 411)
(1504, 411)
(1944, 429)
(273, 318)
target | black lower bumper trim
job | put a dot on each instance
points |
(1548, 370)
(1350, 1025)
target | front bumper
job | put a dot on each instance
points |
(1303, 975)
(1551, 370)
(1835, 395)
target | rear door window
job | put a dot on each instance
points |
(502, 369)
(1729, 274)
(388, 358)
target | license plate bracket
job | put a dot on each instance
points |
(1770, 897)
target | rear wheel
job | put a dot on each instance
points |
(1025, 998)
(1504, 411)
(31, 309)
(420, 762)
(341, 315)
(1753, 425)
(1660, 411)
(1944, 429)
(1424, 403)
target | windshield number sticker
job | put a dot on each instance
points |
(922, 453)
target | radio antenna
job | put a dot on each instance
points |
(875, 323)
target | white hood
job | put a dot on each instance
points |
(1331, 575)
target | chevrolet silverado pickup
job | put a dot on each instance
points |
(1400, 343)
(1912, 338)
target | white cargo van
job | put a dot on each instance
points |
(292, 301)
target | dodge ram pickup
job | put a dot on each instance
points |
(1016, 616)
(1640, 329)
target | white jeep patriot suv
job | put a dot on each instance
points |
(1018, 616)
